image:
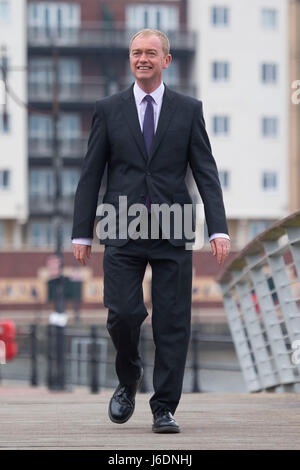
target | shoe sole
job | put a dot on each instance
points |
(166, 429)
(131, 413)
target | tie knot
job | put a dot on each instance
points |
(148, 98)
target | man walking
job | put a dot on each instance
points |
(147, 135)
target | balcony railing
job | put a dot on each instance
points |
(261, 293)
(90, 91)
(68, 147)
(69, 92)
(44, 204)
(98, 35)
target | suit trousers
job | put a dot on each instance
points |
(171, 291)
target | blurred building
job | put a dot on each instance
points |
(294, 23)
(91, 40)
(241, 69)
(13, 123)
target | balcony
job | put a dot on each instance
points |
(72, 92)
(77, 94)
(68, 147)
(40, 205)
(97, 36)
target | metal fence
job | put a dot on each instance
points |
(89, 358)
(261, 293)
(97, 35)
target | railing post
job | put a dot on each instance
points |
(254, 330)
(50, 357)
(241, 345)
(271, 320)
(34, 356)
(195, 364)
(60, 357)
(94, 361)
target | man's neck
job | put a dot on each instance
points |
(148, 87)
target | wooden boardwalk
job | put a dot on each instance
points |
(34, 418)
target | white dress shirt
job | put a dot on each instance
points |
(141, 105)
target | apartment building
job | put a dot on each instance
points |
(241, 69)
(88, 42)
(294, 71)
(13, 123)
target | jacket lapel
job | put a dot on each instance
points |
(166, 113)
(132, 119)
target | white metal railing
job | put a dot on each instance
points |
(68, 147)
(89, 91)
(261, 294)
(95, 35)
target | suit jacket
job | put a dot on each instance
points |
(116, 140)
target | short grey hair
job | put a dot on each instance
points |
(153, 32)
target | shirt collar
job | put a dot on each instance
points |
(156, 94)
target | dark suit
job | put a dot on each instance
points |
(180, 139)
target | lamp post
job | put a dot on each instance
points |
(58, 319)
(3, 84)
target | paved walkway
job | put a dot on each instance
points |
(34, 418)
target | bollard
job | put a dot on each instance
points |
(195, 363)
(94, 361)
(34, 356)
(60, 358)
(50, 357)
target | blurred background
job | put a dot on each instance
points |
(242, 59)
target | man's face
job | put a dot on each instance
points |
(147, 59)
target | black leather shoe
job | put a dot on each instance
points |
(122, 403)
(164, 422)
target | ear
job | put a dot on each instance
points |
(168, 60)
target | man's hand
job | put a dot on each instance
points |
(81, 252)
(220, 247)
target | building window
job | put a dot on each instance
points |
(269, 73)
(269, 18)
(4, 12)
(171, 74)
(40, 127)
(41, 234)
(41, 77)
(224, 178)
(41, 183)
(67, 233)
(4, 123)
(70, 180)
(220, 71)
(221, 125)
(4, 179)
(220, 16)
(54, 18)
(269, 127)
(258, 226)
(269, 181)
(161, 17)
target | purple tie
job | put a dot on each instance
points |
(148, 133)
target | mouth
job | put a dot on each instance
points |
(144, 68)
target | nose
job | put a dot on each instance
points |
(143, 57)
